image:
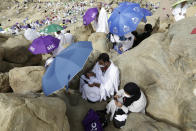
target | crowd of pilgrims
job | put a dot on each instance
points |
(102, 82)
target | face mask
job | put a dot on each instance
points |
(126, 95)
(101, 66)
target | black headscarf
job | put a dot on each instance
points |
(133, 90)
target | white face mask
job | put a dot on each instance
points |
(126, 95)
(101, 66)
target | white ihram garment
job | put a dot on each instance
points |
(31, 34)
(102, 24)
(60, 48)
(109, 84)
(179, 12)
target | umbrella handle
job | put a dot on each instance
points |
(67, 87)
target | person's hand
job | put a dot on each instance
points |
(118, 104)
(121, 49)
(87, 76)
(93, 74)
(91, 85)
(97, 84)
(116, 97)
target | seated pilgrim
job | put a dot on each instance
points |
(101, 82)
(124, 43)
(140, 37)
(127, 100)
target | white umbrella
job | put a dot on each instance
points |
(31, 34)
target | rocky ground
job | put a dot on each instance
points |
(162, 65)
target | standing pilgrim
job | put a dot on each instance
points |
(69, 37)
(147, 33)
(30, 34)
(105, 80)
(62, 43)
(127, 100)
(101, 23)
(179, 10)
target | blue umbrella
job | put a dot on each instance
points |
(125, 18)
(65, 66)
(146, 13)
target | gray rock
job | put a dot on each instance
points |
(4, 83)
(163, 66)
(141, 122)
(99, 42)
(6, 66)
(80, 32)
(26, 113)
(16, 51)
(26, 79)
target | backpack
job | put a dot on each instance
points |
(92, 122)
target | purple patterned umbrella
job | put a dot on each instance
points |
(90, 15)
(44, 44)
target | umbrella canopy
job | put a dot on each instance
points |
(44, 44)
(146, 13)
(52, 28)
(179, 2)
(65, 66)
(125, 18)
(31, 34)
(90, 15)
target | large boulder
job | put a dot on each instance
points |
(77, 108)
(2, 53)
(80, 32)
(99, 42)
(6, 66)
(164, 67)
(32, 114)
(141, 122)
(16, 51)
(4, 83)
(3, 38)
(26, 79)
(191, 11)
